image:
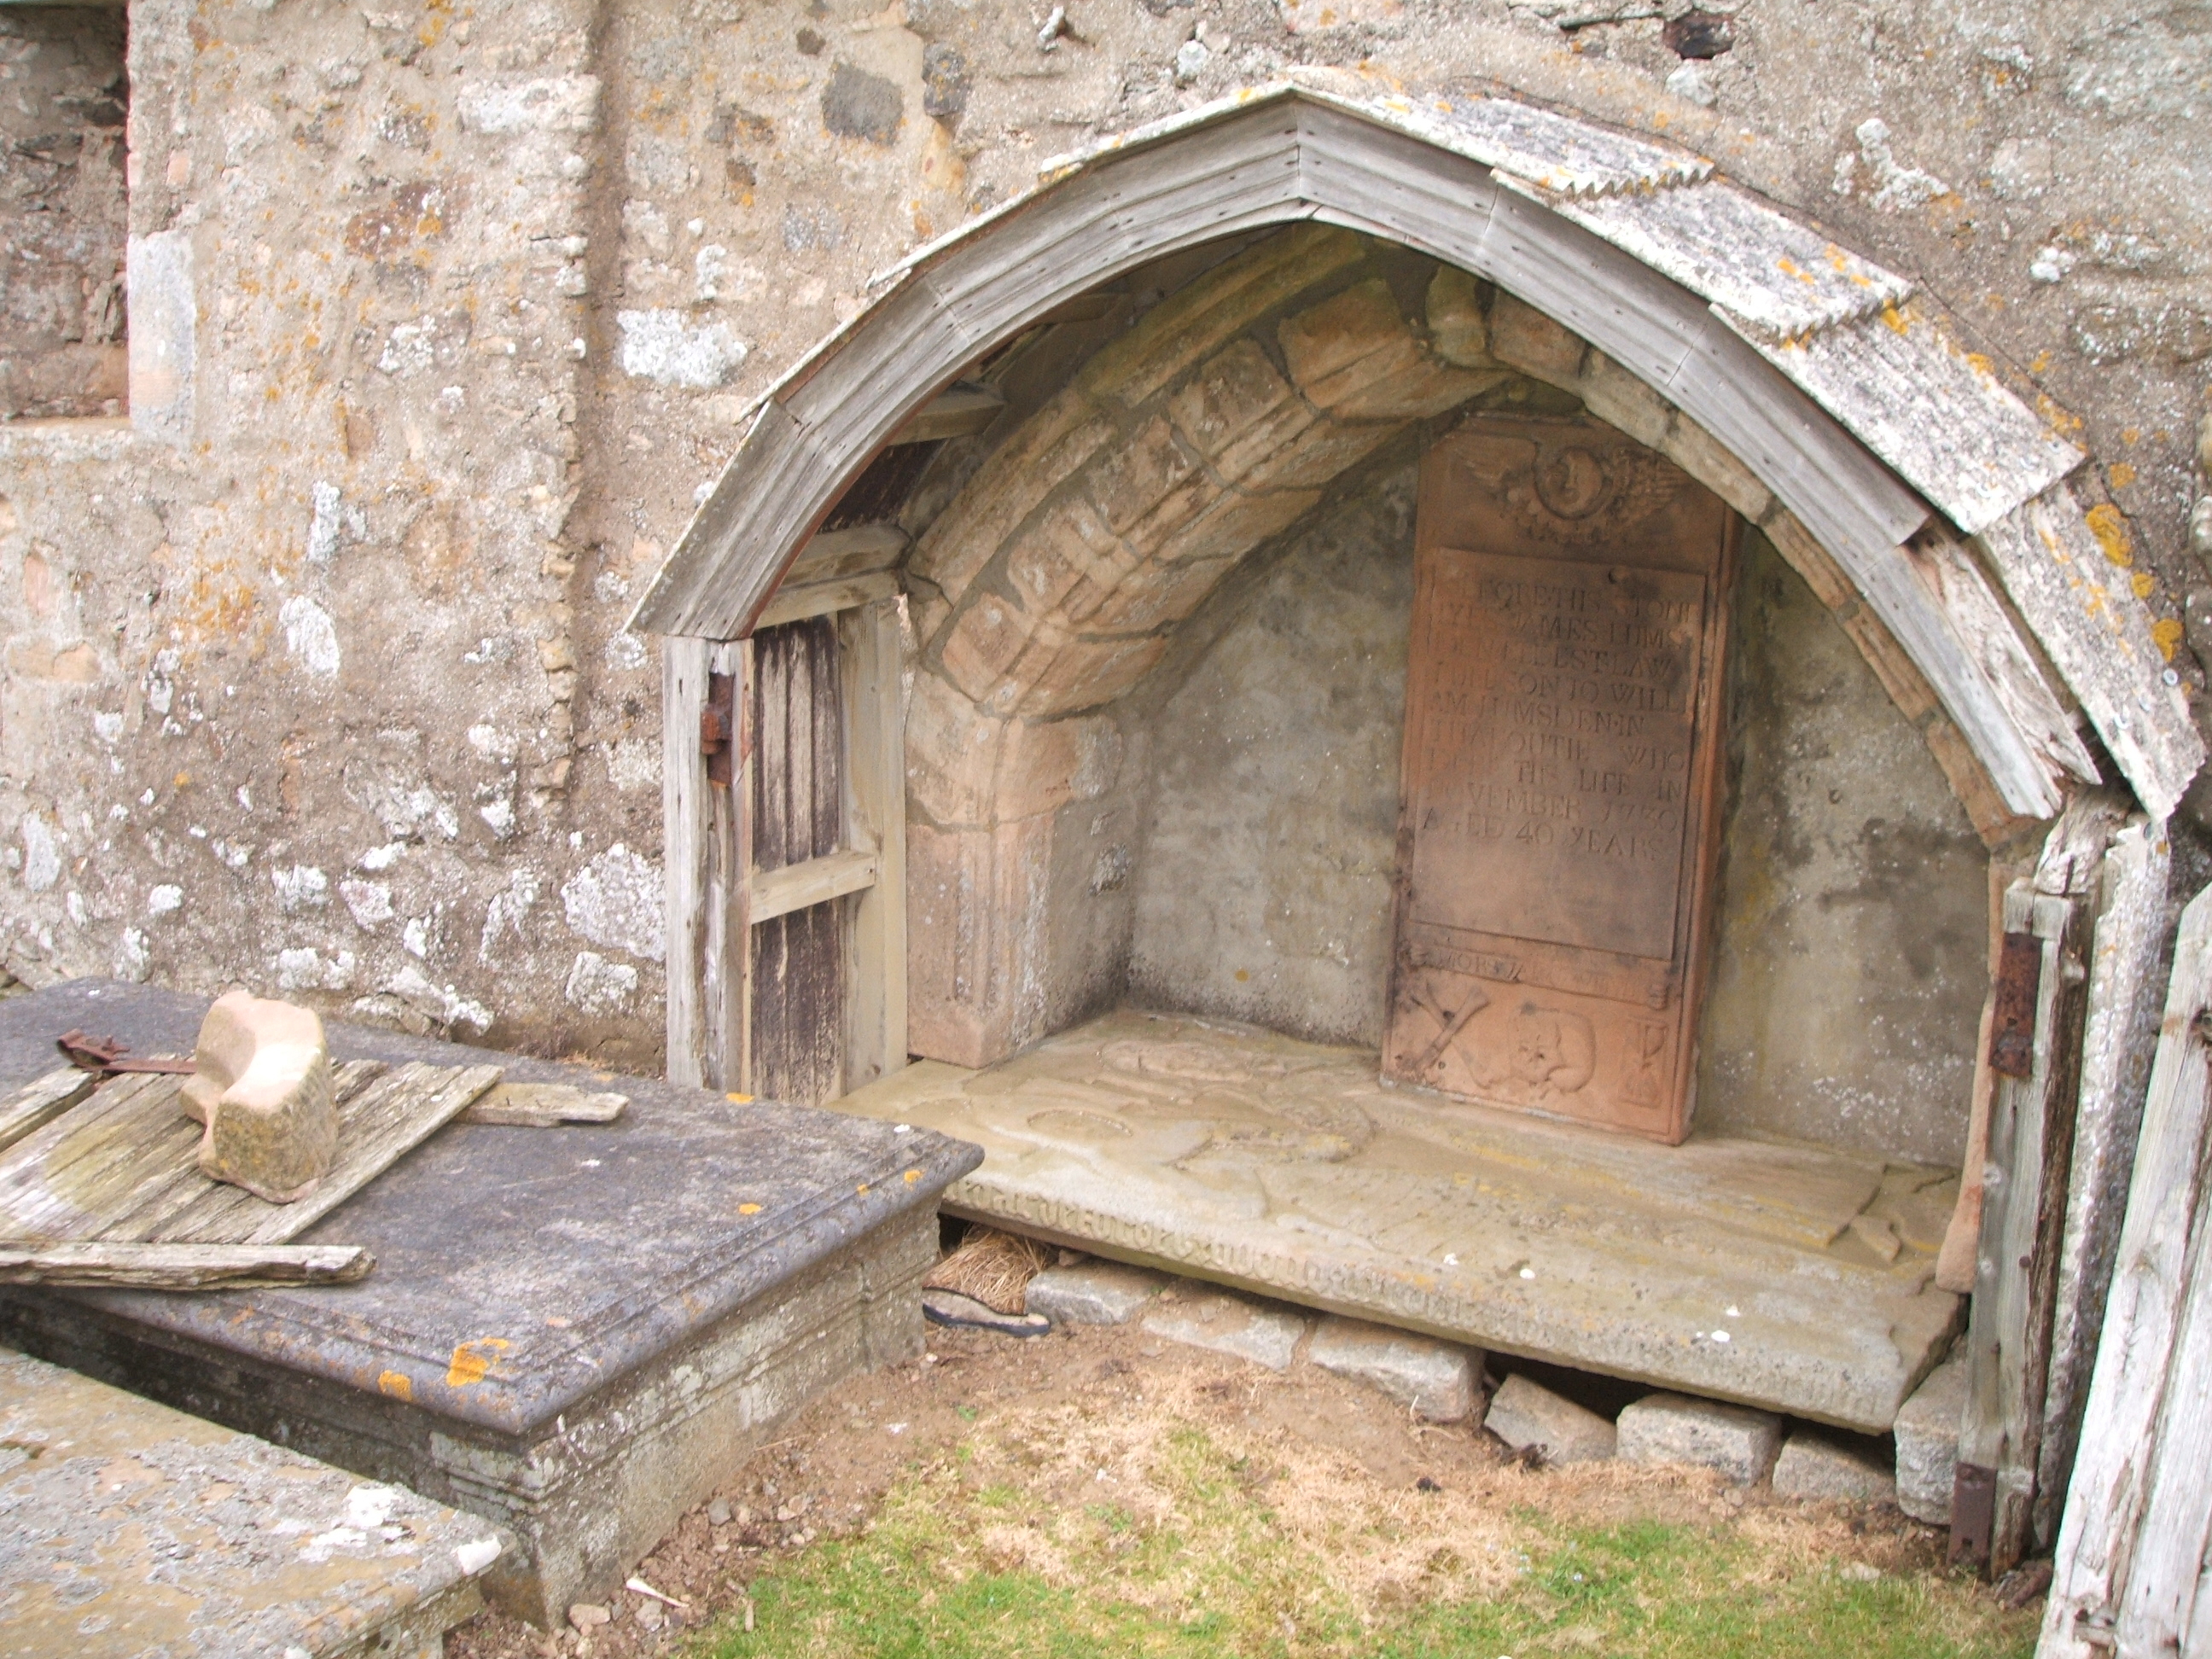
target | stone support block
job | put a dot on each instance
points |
(1047, 448)
(1157, 594)
(1194, 323)
(261, 1083)
(1067, 559)
(1820, 1470)
(1524, 337)
(1673, 1428)
(1322, 450)
(1526, 1415)
(1136, 478)
(1357, 357)
(1927, 1433)
(1094, 1293)
(1624, 402)
(1264, 1333)
(1458, 331)
(1704, 457)
(976, 947)
(1090, 673)
(1437, 1380)
(1236, 411)
(1236, 524)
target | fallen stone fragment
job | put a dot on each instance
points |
(1231, 1325)
(718, 1512)
(966, 1312)
(1436, 1379)
(1093, 1293)
(1928, 1444)
(261, 1083)
(1673, 1428)
(587, 1615)
(1814, 1467)
(1525, 1415)
(542, 1105)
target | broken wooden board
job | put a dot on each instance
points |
(121, 1166)
(542, 1105)
(185, 1267)
(39, 1104)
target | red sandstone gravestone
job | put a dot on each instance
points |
(1563, 717)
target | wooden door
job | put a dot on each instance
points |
(1561, 767)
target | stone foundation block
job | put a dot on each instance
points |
(1436, 1379)
(1231, 1325)
(1525, 1414)
(1673, 1428)
(1928, 1444)
(1818, 1469)
(1094, 1293)
(261, 1083)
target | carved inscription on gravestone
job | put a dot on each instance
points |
(1560, 765)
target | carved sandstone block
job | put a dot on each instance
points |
(1359, 359)
(261, 1083)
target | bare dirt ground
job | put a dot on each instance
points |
(1403, 1509)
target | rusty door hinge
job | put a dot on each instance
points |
(2012, 1027)
(718, 730)
(1973, 1514)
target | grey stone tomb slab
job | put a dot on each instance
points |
(1670, 1428)
(1526, 1415)
(1928, 1444)
(575, 1332)
(1435, 1380)
(1725, 1266)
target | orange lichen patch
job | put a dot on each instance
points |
(2120, 475)
(2110, 527)
(749, 1209)
(398, 1384)
(2143, 584)
(2166, 634)
(2130, 434)
(472, 1361)
(913, 1175)
(739, 1100)
(862, 1190)
(1894, 317)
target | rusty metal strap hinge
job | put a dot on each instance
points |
(719, 740)
(2012, 1027)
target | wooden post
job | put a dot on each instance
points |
(2128, 1574)
(726, 983)
(2119, 1039)
(687, 837)
(2031, 1135)
(875, 778)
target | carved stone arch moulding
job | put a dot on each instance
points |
(1925, 504)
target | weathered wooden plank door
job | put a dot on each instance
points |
(798, 967)
(1570, 610)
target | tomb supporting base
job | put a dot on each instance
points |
(576, 1332)
(1780, 1275)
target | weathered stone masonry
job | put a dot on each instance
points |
(439, 316)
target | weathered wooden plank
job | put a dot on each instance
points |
(542, 1105)
(857, 551)
(816, 881)
(873, 646)
(2117, 1468)
(2083, 608)
(183, 1266)
(955, 412)
(802, 601)
(726, 994)
(67, 1179)
(1782, 278)
(1922, 402)
(39, 1104)
(687, 827)
(2030, 1137)
(2119, 1037)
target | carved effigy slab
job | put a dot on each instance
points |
(1570, 618)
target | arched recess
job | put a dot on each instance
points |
(1800, 382)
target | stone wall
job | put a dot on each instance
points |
(439, 320)
(63, 102)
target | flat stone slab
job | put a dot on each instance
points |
(1231, 1325)
(1669, 1428)
(1438, 1380)
(128, 1530)
(1928, 1444)
(570, 1329)
(1528, 1416)
(1723, 1267)
(1094, 1293)
(1818, 1469)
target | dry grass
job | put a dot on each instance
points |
(993, 1268)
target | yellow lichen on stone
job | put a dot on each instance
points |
(398, 1384)
(2111, 529)
(2166, 634)
(472, 1361)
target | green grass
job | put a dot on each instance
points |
(936, 1576)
